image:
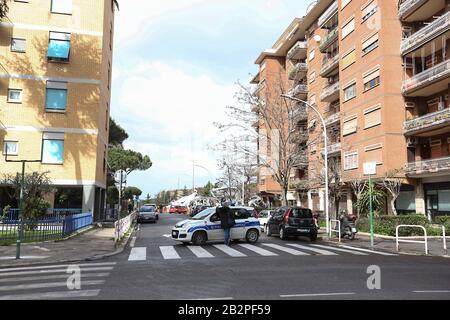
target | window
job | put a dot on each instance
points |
(18, 45)
(312, 77)
(15, 96)
(348, 28)
(53, 148)
(350, 126)
(372, 117)
(374, 153)
(371, 80)
(11, 148)
(56, 98)
(59, 47)
(312, 54)
(263, 66)
(351, 161)
(369, 11)
(350, 92)
(344, 3)
(61, 6)
(370, 44)
(348, 59)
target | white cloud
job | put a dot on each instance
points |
(178, 111)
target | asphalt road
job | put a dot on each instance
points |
(154, 267)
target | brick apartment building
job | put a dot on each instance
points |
(55, 80)
(378, 71)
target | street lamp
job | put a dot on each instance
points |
(326, 155)
(193, 173)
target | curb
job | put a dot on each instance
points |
(92, 258)
(393, 238)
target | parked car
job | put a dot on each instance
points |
(206, 226)
(181, 210)
(292, 222)
(264, 216)
(156, 209)
(172, 209)
(198, 209)
(146, 214)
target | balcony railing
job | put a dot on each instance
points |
(408, 6)
(428, 121)
(428, 166)
(435, 73)
(299, 113)
(298, 71)
(329, 39)
(330, 90)
(299, 89)
(296, 49)
(299, 137)
(329, 13)
(329, 65)
(333, 149)
(426, 34)
(333, 119)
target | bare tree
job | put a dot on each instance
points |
(265, 119)
(392, 182)
(4, 8)
(358, 185)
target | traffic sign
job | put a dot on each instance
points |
(120, 176)
(370, 168)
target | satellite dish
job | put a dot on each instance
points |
(312, 5)
(317, 38)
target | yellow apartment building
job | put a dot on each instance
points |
(55, 81)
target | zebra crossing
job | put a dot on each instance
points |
(242, 250)
(59, 282)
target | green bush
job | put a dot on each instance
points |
(378, 198)
(386, 225)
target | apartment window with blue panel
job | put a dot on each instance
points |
(59, 47)
(53, 148)
(56, 97)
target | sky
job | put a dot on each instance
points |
(176, 63)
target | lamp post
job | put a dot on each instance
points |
(326, 155)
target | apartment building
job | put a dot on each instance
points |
(378, 72)
(55, 81)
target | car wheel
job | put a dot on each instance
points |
(283, 234)
(199, 238)
(313, 237)
(252, 236)
(268, 232)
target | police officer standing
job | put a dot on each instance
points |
(227, 221)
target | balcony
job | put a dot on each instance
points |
(428, 82)
(299, 113)
(428, 168)
(298, 51)
(328, 14)
(426, 34)
(333, 150)
(299, 91)
(298, 72)
(330, 93)
(333, 119)
(331, 37)
(298, 184)
(330, 67)
(419, 10)
(298, 137)
(430, 122)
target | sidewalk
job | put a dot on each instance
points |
(91, 245)
(388, 244)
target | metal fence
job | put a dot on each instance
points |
(57, 225)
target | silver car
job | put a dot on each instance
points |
(147, 214)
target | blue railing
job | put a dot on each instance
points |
(76, 222)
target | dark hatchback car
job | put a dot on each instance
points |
(292, 222)
(147, 214)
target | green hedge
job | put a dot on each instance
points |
(386, 225)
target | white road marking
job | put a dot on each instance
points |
(41, 248)
(133, 242)
(25, 258)
(288, 250)
(138, 254)
(367, 250)
(169, 253)
(229, 251)
(316, 295)
(53, 277)
(8, 274)
(60, 266)
(167, 235)
(258, 250)
(200, 252)
(53, 295)
(340, 250)
(432, 291)
(319, 251)
(48, 285)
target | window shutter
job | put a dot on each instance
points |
(369, 77)
(348, 28)
(372, 118)
(350, 126)
(369, 9)
(375, 155)
(369, 41)
(348, 59)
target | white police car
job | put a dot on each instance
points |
(205, 226)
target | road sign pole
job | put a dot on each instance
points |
(371, 211)
(20, 217)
